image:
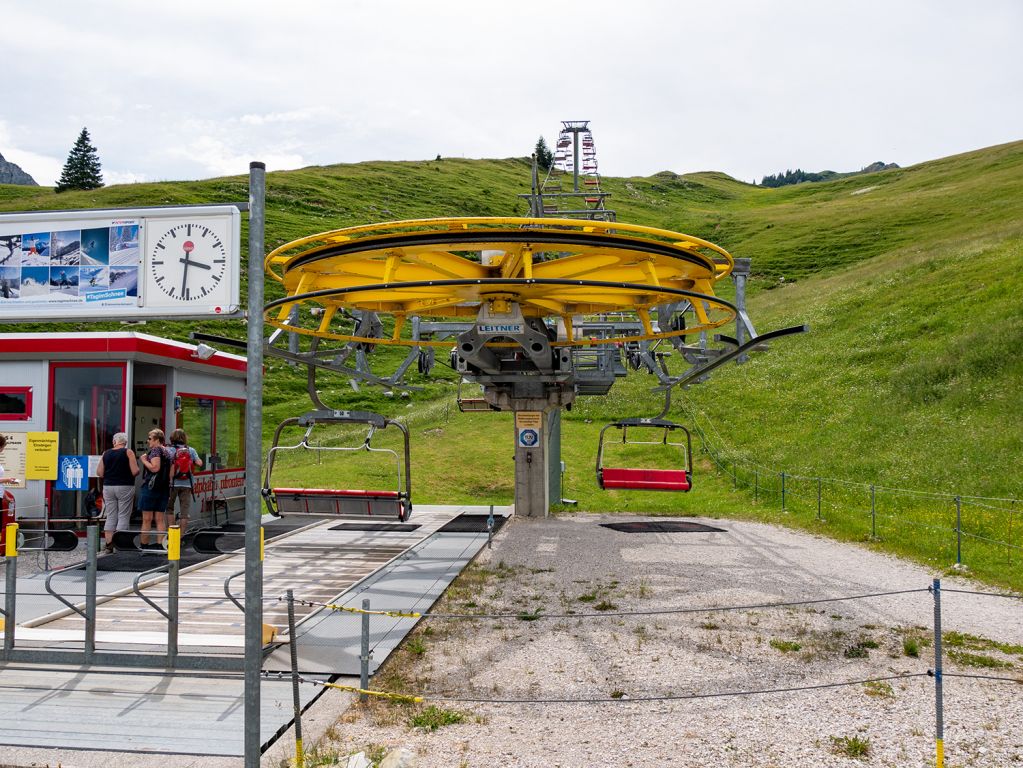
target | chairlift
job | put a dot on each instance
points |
(678, 478)
(357, 503)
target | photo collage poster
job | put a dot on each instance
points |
(96, 265)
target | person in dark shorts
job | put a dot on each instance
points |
(117, 470)
(156, 464)
(181, 485)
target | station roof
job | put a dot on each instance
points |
(123, 345)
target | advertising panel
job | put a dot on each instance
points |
(120, 264)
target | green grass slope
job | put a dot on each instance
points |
(911, 377)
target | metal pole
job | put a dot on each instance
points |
(173, 574)
(782, 491)
(959, 531)
(939, 712)
(873, 515)
(92, 545)
(366, 653)
(818, 498)
(10, 586)
(253, 465)
(365, 656)
(292, 641)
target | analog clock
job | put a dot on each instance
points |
(187, 260)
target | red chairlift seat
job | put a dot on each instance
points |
(647, 479)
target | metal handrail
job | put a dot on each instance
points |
(227, 589)
(138, 591)
(65, 569)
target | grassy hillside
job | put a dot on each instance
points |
(911, 377)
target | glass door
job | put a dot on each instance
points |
(87, 409)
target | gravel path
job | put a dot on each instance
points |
(572, 565)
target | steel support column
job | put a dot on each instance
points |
(253, 467)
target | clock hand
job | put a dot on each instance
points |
(188, 247)
(195, 263)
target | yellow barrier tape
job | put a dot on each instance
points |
(380, 694)
(395, 614)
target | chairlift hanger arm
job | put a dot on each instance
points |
(291, 357)
(731, 355)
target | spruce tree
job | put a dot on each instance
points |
(82, 169)
(544, 156)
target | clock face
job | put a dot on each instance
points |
(187, 260)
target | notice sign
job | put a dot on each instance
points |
(12, 459)
(127, 264)
(527, 428)
(41, 455)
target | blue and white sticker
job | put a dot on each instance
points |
(72, 473)
(528, 438)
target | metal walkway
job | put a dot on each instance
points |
(45, 711)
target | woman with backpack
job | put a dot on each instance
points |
(156, 463)
(117, 470)
(186, 460)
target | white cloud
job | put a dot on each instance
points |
(744, 87)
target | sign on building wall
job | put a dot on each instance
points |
(12, 459)
(129, 263)
(41, 455)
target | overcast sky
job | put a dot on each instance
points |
(198, 88)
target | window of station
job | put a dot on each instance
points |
(15, 403)
(215, 425)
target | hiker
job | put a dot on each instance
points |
(117, 470)
(182, 489)
(156, 462)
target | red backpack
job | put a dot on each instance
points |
(182, 463)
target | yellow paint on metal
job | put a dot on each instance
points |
(262, 541)
(174, 542)
(269, 633)
(939, 760)
(11, 540)
(393, 268)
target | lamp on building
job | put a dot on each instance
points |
(204, 352)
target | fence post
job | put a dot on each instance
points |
(366, 655)
(818, 498)
(173, 591)
(10, 586)
(939, 712)
(959, 531)
(295, 697)
(782, 491)
(91, 556)
(873, 514)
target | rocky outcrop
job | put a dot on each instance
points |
(12, 174)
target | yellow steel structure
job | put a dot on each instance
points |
(448, 268)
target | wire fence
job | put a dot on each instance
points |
(473, 696)
(966, 529)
